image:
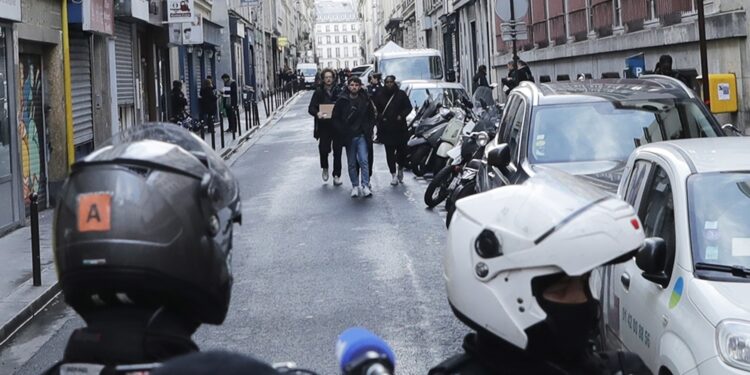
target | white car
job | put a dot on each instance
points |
(683, 303)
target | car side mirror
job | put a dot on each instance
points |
(731, 130)
(652, 260)
(499, 157)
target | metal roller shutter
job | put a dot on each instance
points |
(197, 71)
(80, 69)
(124, 63)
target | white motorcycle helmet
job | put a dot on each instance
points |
(501, 243)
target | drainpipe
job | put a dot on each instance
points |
(67, 79)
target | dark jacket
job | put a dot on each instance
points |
(229, 92)
(479, 79)
(374, 90)
(208, 101)
(354, 117)
(392, 127)
(501, 358)
(177, 98)
(321, 96)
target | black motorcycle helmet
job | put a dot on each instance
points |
(147, 221)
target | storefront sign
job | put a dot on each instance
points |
(180, 11)
(187, 33)
(10, 10)
(282, 41)
(95, 16)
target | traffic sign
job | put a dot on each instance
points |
(521, 35)
(520, 8)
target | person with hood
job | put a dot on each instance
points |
(177, 101)
(354, 117)
(480, 79)
(393, 106)
(664, 67)
(325, 132)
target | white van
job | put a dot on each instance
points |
(309, 70)
(683, 303)
(409, 64)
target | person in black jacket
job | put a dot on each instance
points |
(208, 103)
(393, 106)
(177, 100)
(516, 76)
(230, 101)
(324, 131)
(480, 79)
(354, 117)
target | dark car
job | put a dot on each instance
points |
(589, 128)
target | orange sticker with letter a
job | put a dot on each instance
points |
(94, 212)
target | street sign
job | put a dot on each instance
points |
(518, 36)
(520, 8)
(519, 27)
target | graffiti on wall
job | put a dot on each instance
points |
(31, 125)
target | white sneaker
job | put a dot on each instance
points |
(366, 191)
(337, 181)
(400, 175)
(394, 180)
(325, 174)
(355, 192)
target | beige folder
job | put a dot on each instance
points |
(326, 110)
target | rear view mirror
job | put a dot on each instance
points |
(652, 260)
(731, 130)
(499, 157)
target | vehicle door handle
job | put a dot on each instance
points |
(625, 280)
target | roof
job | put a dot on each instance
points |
(389, 47)
(407, 52)
(653, 87)
(419, 84)
(716, 154)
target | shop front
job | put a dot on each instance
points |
(11, 191)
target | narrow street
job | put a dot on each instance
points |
(309, 262)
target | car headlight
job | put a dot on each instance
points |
(733, 341)
(482, 139)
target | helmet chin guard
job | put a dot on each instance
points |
(499, 241)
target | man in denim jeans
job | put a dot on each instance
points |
(353, 116)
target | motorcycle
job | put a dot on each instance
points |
(427, 133)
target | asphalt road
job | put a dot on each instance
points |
(309, 262)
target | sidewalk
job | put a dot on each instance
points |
(19, 299)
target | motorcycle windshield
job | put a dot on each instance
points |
(483, 97)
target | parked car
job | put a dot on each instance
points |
(589, 128)
(683, 303)
(419, 90)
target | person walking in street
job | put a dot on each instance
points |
(354, 116)
(177, 101)
(480, 78)
(393, 106)
(374, 88)
(207, 102)
(230, 101)
(326, 134)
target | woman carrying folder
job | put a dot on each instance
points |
(321, 107)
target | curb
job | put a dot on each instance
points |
(31, 308)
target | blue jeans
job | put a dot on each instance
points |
(356, 154)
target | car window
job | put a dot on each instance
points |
(657, 212)
(636, 182)
(611, 130)
(508, 115)
(516, 127)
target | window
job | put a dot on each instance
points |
(335, 27)
(328, 28)
(618, 13)
(328, 40)
(338, 54)
(354, 39)
(330, 65)
(346, 52)
(329, 53)
(637, 181)
(346, 39)
(337, 39)
(657, 213)
(354, 52)
(507, 119)
(514, 138)
(320, 40)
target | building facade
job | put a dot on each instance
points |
(337, 35)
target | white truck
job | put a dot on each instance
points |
(309, 71)
(409, 64)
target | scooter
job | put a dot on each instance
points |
(426, 138)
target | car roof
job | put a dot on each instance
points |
(361, 67)
(409, 52)
(599, 90)
(705, 155)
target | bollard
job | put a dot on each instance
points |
(265, 103)
(213, 132)
(36, 265)
(237, 123)
(248, 124)
(256, 114)
(221, 129)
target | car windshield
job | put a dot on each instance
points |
(449, 95)
(719, 211)
(417, 67)
(611, 130)
(309, 72)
